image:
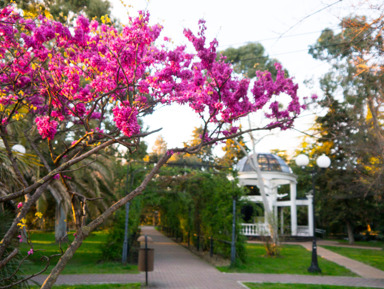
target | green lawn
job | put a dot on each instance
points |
(298, 286)
(86, 260)
(98, 286)
(294, 259)
(364, 243)
(374, 258)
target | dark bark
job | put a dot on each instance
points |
(351, 238)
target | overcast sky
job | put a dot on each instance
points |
(285, 28)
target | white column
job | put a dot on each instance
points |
(282, 220)
(276, 213)
(292, 186)
(310, 214)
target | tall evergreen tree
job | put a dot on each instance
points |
(249, 58)
(351, 132)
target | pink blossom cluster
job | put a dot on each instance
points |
(74, 76)
(125, 119)
(210, 88)
(46, 127)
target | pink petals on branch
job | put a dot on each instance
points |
(70, 78)
(265, 88)
(46, 127)
(125, 119)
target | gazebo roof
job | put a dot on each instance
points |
(267, 162)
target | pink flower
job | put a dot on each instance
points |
(19, 205)
(125, 119)
(30, 252)
(20, 238)
(46, 128)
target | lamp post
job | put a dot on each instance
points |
(126, 229)
(233, 241)
(323, 162)
(129, 186)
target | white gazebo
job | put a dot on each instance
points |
(275, 173)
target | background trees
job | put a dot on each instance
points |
(61, 9)
(351, 130)
(195, 205)
(250, 58)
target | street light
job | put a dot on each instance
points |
(233, 242)
(129, 186)
(19, 148)
(323, 162)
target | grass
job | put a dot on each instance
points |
(87, 258)
(298, 286)
(98, 286)
(364, 243)
(293, 259)
(374, 258)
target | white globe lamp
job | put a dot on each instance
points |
(302, 160)
(323, 161)
(19, 148)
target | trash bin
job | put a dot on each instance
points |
(150, 254)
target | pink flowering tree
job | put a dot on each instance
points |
(66, 84)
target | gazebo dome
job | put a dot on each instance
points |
(267, 162)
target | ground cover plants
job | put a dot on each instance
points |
(293, 259)
(88, 259)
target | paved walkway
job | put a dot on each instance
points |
(176, 267)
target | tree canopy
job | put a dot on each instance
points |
(62, 9)
(351, 132)
(82, 89)
(250, 58)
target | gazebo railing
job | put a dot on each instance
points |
(303, 231)
(259, 229)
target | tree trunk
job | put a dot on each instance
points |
(86, 230)
(351, 238)
(60, 223)
(272, 222)
(60, 214)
